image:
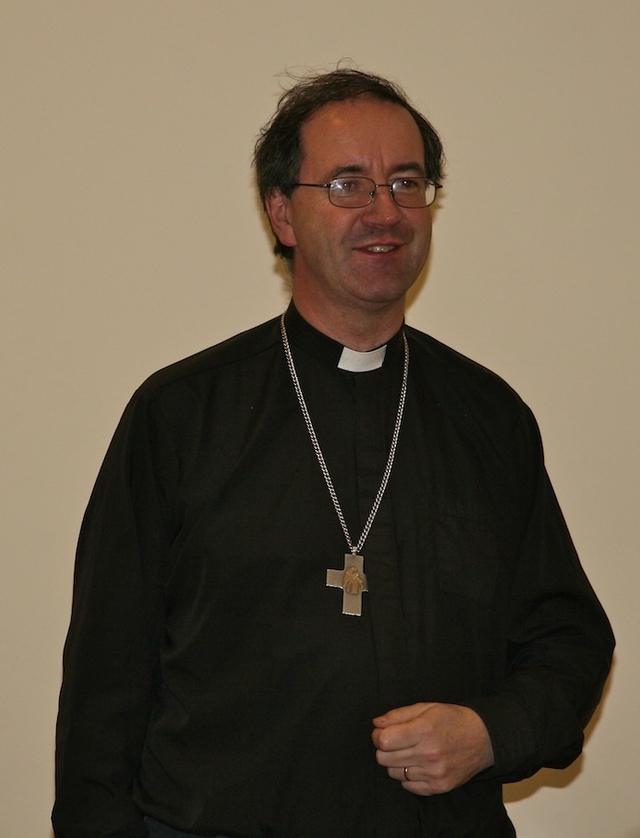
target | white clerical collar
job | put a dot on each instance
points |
(354, 361)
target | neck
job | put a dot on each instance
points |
(360, 329)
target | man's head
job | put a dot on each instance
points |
(279, 149)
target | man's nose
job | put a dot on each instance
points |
(382, 208)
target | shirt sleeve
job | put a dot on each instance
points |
(560, 642)
(111, 649)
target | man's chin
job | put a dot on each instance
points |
(383, 291)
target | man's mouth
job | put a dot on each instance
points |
(381, 248)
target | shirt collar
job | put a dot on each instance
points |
(331, 352)
(353, 361)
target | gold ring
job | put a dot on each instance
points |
(406, 776)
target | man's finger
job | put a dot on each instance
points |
(399, 715)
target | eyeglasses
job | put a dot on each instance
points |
(357, 192)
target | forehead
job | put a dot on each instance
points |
(361, 134)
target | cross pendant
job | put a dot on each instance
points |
(353, 581)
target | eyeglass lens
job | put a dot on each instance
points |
(359, 191)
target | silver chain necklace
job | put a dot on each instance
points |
(351, 578)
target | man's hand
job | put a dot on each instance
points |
(440, 745)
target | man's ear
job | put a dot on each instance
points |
(278, 207)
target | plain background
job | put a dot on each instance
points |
(132, 237)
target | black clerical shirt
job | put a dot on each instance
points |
(211, 680)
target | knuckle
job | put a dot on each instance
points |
(383, 740)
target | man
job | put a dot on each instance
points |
(323, 585)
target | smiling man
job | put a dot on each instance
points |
(352, 269)
(323, 586)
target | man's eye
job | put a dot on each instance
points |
(406, 184)
(347, 185)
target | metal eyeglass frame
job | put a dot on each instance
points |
(372, 192)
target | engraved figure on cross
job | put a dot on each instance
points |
(353, 582)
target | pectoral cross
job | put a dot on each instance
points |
(353, 581)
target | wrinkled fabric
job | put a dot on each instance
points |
(211, 681)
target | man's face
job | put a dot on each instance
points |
(354, 258)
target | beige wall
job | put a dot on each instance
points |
(132, 238)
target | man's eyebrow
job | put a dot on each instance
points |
(411, 167)
(346, 170)
(355, 169)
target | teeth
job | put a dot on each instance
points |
(380, 248)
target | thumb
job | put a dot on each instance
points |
(399, 715)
